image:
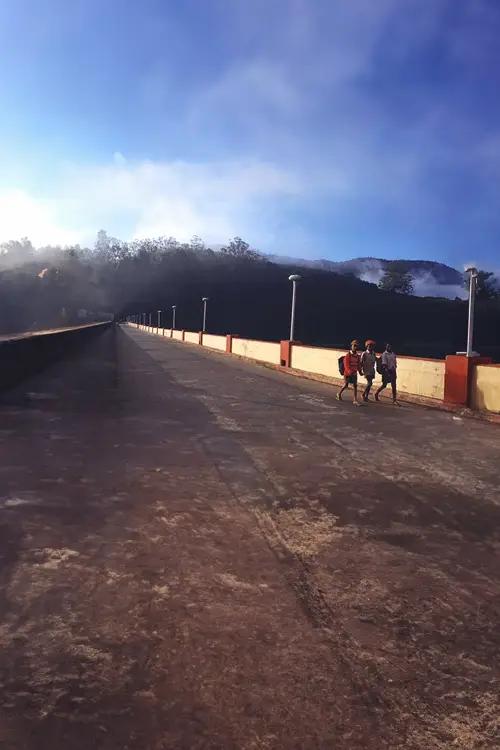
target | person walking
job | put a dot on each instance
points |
(368, 363)
(389, 374)
(352, 365)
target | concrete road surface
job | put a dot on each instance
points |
(197, 552)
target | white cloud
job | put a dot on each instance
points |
(119, 159)
(214, 200)
(24, 215)
(425, 285)
(246, 91)
(372, 271)
(301, 86)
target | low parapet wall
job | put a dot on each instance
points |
(24, 354)
(262, 351)
(418, 378)
(315, 359)
(485, 388)
(214, 342)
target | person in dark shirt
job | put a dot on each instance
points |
(389, 374)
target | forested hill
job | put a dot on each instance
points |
(248, 295)
(443, 273)
(428, 277)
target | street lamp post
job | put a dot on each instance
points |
(174, 307)
(294, 278)
(472, 299)
(159, 321)
(150, 322)
(204, 300)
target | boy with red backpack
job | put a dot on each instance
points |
(351, 367)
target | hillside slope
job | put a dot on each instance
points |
(430, 278)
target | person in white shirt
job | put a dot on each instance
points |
(389, 374)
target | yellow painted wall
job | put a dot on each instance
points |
(485, 388)
(316, 360)
(420, 377)
(214, 342)
(192, 337)
(177, 335)
(264, 351)
(161, 332)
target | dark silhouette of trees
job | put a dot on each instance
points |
(396, 279)
(487, 285)
(15, 253)
(238, 248)
(249, 295)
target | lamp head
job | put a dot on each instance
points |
(294, 277)
(472, 270)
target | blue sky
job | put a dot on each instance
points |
(317, 129)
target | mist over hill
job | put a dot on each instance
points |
(429, 278)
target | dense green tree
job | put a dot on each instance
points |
(238, 248)
(396, 279)
(487, 285)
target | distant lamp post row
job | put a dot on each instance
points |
(146, 318)
(295, 278)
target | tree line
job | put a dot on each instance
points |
(248, 295)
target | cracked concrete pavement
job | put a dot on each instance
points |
(197, 552)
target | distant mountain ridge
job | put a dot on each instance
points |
(442, 273)
(430, 278)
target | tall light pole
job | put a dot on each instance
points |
(150, 326)
(173, 316)
(294, 278)
(204, 300)
(472, 299)
(159, 321)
